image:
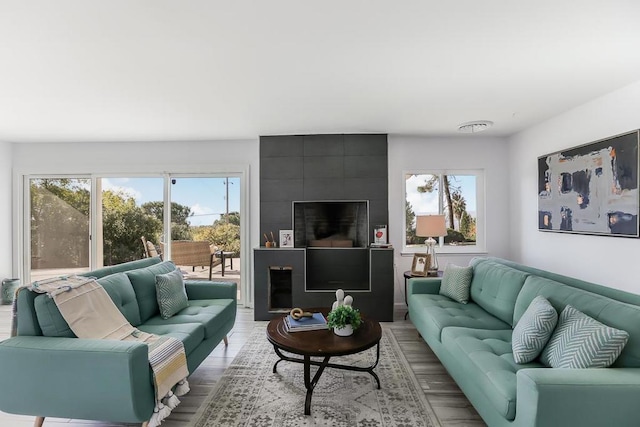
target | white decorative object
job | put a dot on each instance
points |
(344, 332)
(341, 299)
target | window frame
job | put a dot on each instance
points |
(480, 246)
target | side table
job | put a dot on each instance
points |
(407, 276)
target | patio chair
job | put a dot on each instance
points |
(194, 254)
(149, 248)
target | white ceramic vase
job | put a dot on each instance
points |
(344, 332)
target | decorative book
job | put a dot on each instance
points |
(314, 323)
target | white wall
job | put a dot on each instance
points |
(466, 152)
(611, 261)
(182, 157)
(5, 211)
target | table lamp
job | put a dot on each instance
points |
(431, 226)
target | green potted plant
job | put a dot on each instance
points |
(344, 320)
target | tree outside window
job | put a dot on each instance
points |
(453, 195)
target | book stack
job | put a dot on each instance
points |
(314, 323)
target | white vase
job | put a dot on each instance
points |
(344, 332)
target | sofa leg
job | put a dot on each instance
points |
(38, 422)
(226, 341)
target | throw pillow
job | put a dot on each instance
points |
(456, 281)
(533, 330)
(172, 296)
(580, 341)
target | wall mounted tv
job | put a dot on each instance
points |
(331, 224)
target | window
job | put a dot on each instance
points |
(455, 194)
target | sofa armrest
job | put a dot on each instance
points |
(424, 285)
(76, 378)
(204, 289)
(580, 397)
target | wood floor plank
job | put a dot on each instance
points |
(448, 402)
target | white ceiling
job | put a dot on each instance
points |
(149, 70)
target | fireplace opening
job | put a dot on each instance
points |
(280, 296)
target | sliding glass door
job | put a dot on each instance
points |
(81, 223)
(59, 236)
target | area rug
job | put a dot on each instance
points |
(249, 394)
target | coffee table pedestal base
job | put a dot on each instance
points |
(310, 383)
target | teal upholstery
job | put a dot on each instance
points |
(104, 379)
(439, 311)
(116, 285)
(603, 309)
(493, 367)
(143, 281)
(495, 288)
(480, 358)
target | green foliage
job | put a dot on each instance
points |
(180, 228)
(60, 222)
(225, 236)
(123, 223)
(468, 227)
(410, 217)
(231, 218)
(453, 236)
(344, 315)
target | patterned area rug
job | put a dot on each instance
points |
(249, 394)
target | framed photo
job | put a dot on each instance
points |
(591, 189)
(420, 264)
(286, 238)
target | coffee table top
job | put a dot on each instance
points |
(323, 342)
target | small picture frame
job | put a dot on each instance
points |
(286, 238)
(420, 265)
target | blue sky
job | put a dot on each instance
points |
(427, 203)
(205, 196)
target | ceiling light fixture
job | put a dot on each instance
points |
(475, 126)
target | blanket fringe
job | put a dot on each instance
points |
(160, 412)
(182, 388)
(171, 400)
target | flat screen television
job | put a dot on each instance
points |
(331, 224)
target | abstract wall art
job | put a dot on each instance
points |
(591, 189)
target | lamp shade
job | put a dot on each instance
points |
(431, 226)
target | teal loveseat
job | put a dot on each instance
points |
(473, 342)
(46, 371)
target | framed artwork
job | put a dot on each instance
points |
(420, 264)
(591, 189)
(286, 238)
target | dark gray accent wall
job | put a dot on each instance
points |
(321, 167)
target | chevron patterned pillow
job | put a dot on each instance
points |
(580, 341)
(533, 330)
(456, 281)
(171, 294)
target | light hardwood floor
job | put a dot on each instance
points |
(450, 405)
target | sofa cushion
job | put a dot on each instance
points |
(212, 314)
(582, 342)
(121, 292)
(495, 288)
(172, 296)
(605, 310)
(116, 285)
(121, 268)
(455, 282)
(49, 318)
(436, 312)
(191, 334)
(485, 355)
(143, 281)
(533, 330)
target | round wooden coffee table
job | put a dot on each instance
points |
(325, 344)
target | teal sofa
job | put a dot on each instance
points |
(473, 342)
(46, 371)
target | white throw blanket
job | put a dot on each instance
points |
(91, 313)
